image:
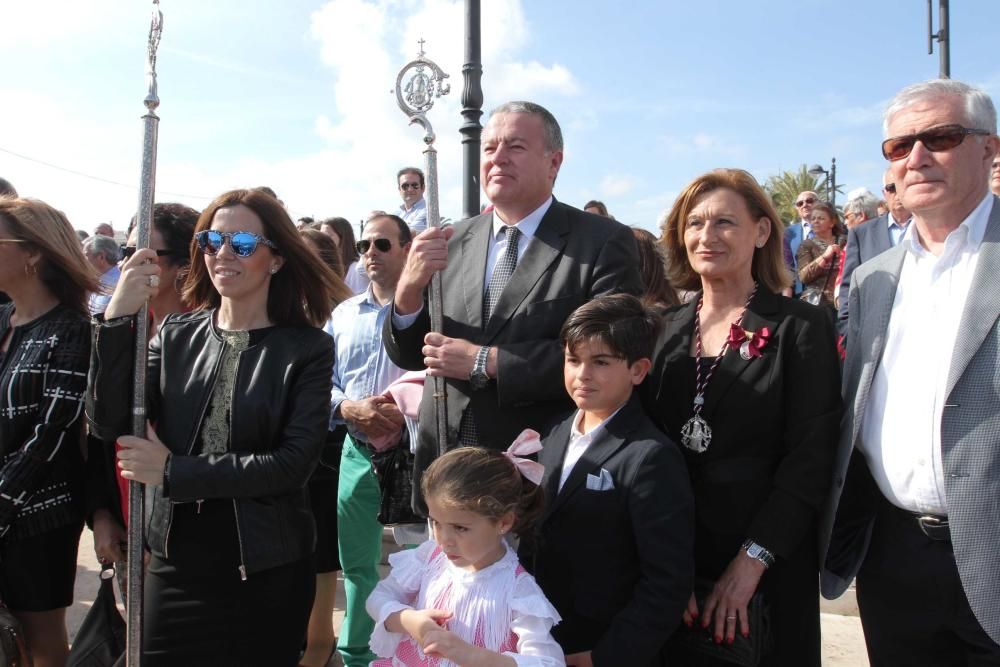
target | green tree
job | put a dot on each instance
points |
(787, 185)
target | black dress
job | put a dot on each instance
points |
(767, 471)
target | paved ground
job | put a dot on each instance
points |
(843, 645)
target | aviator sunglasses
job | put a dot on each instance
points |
(409, 186)
(243, 244)
(382, 245)
(807, 200)
(936, 140)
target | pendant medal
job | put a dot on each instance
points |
(696, 434)
(745, 351)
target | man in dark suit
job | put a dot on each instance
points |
(510, 278)
(914, 512)
(615, 549)
(869, 239)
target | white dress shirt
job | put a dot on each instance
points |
(897, 229)
(579, 442)
(527, 225)
(901, 430)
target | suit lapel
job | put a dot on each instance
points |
(542, 251)
(604, 446)
(474, 249)
(552, 457)
(982, 305)
(759, 314)
(674, 342)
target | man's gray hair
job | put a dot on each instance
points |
(104, 246)
(866, 204)
(980, 114)
(553, 135)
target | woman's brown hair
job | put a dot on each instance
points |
(486, 482)
(768, 267)
(653, 271)
(301, 292)
(63, 269)
(330, 254)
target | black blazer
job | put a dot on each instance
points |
(617, 564)
(865, 241)
(573, 257)
(775, 423)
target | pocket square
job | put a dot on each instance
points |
(602, 482)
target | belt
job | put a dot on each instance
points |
(933, 526)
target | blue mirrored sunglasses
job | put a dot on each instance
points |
(243, 244)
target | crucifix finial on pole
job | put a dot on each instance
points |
(421, 43)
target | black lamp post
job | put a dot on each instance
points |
(831, 179)
(472, 109)
(943, 36)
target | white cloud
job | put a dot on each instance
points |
(703, 144)
(616, 185)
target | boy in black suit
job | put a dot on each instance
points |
(614, 551)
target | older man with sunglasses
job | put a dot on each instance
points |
(799, 231)
(411, 188)
(917, 520)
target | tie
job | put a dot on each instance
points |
(468, 434)
(502, 271)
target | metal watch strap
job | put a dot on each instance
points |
(481, 357)
(757, 552)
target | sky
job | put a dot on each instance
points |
(296, 94)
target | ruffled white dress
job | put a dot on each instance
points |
(499, 608)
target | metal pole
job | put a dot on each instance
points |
(472, 105)
(833, 182)
(144, 218)
(415, 95)
(944, 40)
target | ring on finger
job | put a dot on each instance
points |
(154, 281)
(730, 618)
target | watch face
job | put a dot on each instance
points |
(753, 550)
(478, 379)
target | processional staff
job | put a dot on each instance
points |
(144, 218)
(417, 85)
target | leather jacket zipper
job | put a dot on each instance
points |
(190, 448)
(232, 421)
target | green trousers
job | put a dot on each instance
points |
(359, 535)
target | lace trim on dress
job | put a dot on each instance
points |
(215, 427)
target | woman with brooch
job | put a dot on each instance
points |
(239, 398)
(748, 382)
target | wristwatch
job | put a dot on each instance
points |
(477, 376)
(758, 552)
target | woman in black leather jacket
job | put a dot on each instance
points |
(44, 348)
(239, 398)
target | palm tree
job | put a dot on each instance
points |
(787, 185)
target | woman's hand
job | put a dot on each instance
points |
(727, 604)
(143, 459)
(690, 614)
(110, 538)
(136, 284)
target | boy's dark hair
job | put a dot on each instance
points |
(486, 482)
(620, 321)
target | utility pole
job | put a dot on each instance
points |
(943, 36)
(472, 110)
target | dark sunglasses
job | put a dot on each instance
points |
(935, 140)
(890, 188)
(382, 245)
(129, 250)
(807, 200)
(409, 186)
(243, 244)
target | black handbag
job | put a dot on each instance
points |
(100, 641)
(745, 651)
(13, 647)
(394, 470)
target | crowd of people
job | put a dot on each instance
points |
(654, 450)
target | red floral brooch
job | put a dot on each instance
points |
(749, 343)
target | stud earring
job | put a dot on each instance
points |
(274, 270)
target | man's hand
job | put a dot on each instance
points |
(375, 416)
(428, 254)
(453, 357)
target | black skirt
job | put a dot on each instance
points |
(199, 611)
(37, 573)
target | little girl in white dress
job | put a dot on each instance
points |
(462, 598)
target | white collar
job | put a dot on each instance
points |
(527, 225)
(969, 233)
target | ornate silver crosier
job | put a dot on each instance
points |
(418, 84)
